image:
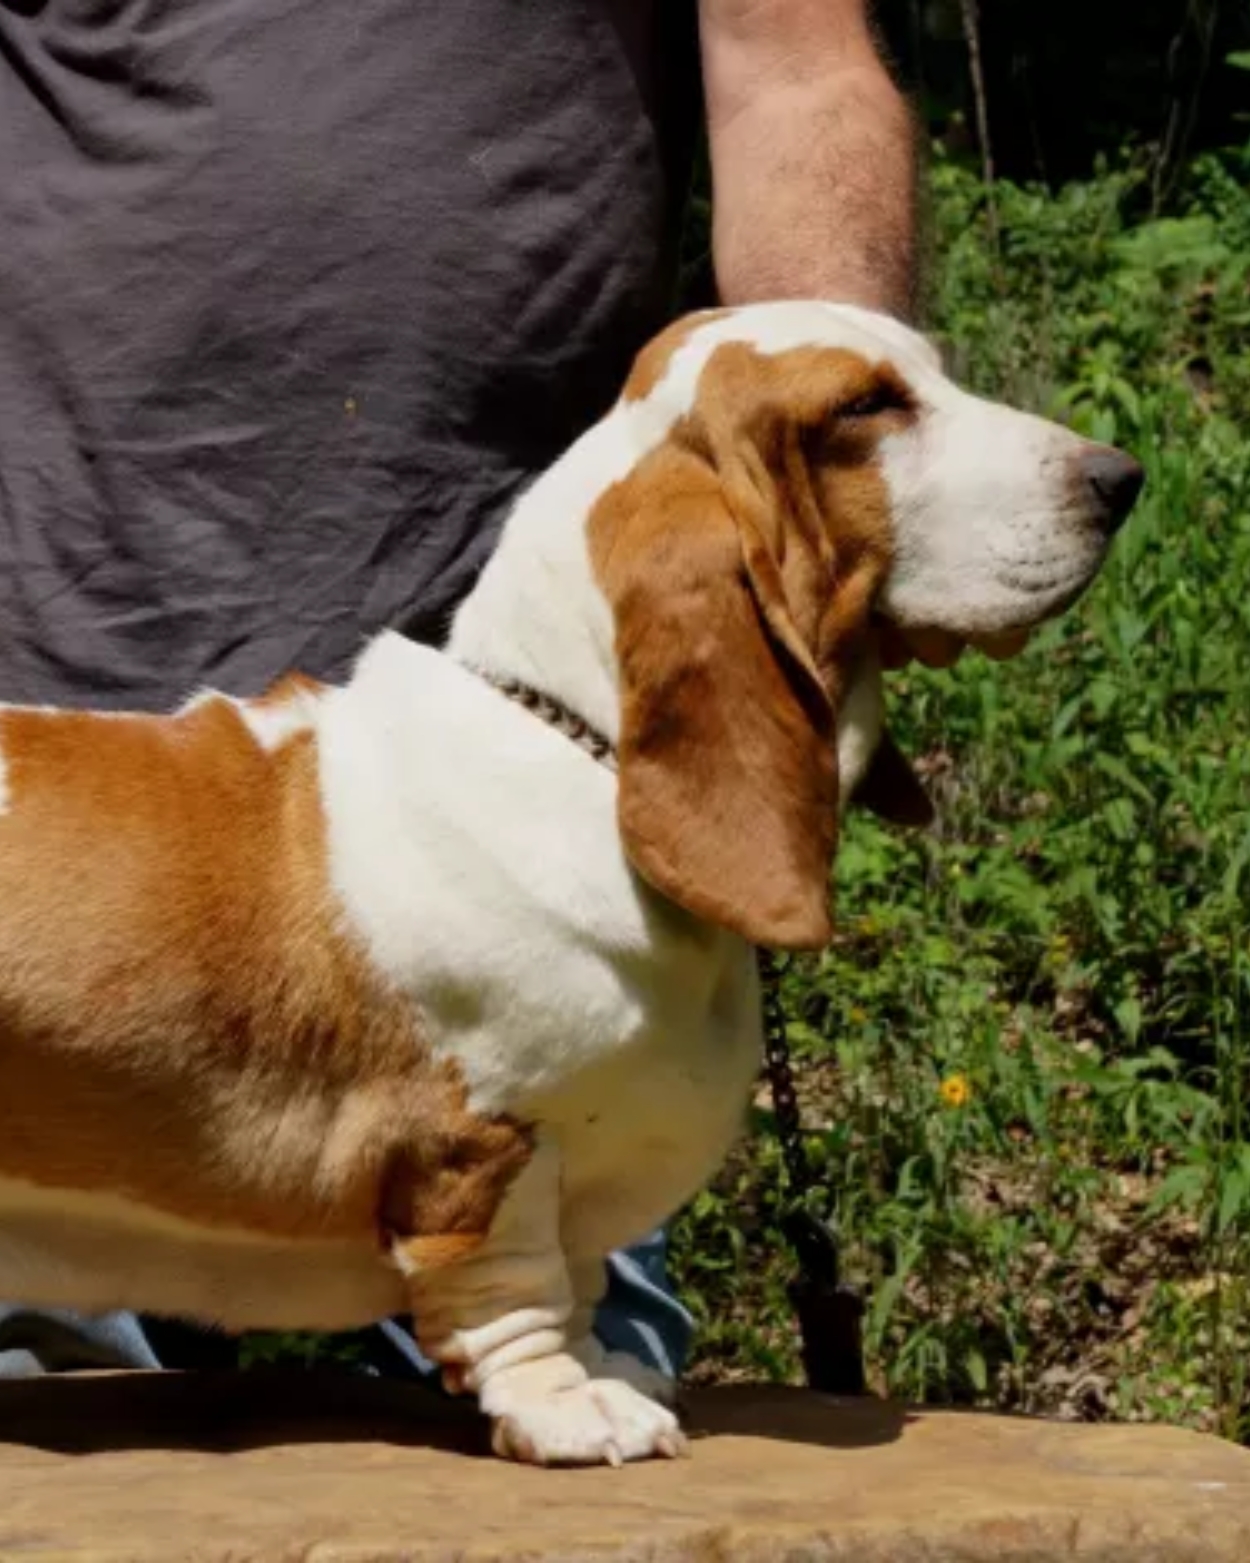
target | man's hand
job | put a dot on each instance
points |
(813, 155)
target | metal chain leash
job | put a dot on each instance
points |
(780, 1073)
(830, 1313)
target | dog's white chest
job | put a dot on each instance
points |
(477, 855)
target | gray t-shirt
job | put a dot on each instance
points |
(294, 296)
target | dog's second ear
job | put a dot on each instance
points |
(728, 771)
(891, 790)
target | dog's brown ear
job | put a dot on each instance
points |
(728, 771)
(890, 788)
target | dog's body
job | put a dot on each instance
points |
(345, 1002)
(491, 886)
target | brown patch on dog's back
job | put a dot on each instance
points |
(184, 1021)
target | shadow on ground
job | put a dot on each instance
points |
(224, 1412)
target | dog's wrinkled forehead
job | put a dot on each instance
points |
(668, 374)
(882, 334)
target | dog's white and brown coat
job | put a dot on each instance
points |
(349, 1001)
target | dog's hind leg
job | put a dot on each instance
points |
(496, 1319)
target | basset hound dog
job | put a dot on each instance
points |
(389, 997)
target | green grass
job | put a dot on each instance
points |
(1072, 942)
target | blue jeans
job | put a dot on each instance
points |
(639, 1315)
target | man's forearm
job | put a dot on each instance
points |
(814, 185)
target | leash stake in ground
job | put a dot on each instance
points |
(830, 1313)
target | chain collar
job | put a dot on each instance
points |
(555, 713)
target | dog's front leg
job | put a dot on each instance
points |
(496, 1321)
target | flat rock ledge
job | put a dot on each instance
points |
(325, 1468)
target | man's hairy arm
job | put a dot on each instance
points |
(813, 155)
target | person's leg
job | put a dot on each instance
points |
(625, 1323)
(55, 1340)
(35, 1341)
(638, 1316)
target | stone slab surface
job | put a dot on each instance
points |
(330, 1469)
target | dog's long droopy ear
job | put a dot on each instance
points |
(728, 771)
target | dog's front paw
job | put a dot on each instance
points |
(600, 1422)
(623, 1368)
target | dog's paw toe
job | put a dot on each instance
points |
(600, 1422)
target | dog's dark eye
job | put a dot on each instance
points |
(881, 399)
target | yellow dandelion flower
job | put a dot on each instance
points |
(859, 1017)
(955, 1091)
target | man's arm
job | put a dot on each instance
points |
(813, 155)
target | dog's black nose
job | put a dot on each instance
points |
(1115, 480)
